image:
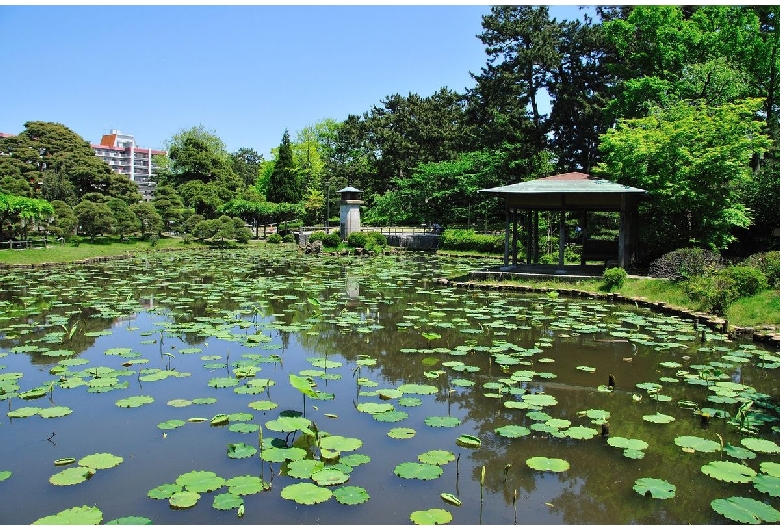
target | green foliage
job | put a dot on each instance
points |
(318, 235)
(614, 278)
(274, 238)
(332, 240)
(768, 263)
(285, 185)
(465, 240)
(357, 239)
(685, 263)
(288, 238)
(716, 292)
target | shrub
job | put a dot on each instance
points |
(769, 264)
(288, 238)
(718, 291)
(464, 240)
(319, 235)
(377, 238)
(357, 239)
(614, 278)
(685, 263)
(274, 238)
(332, 240)
(153, 239)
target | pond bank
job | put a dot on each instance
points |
(768, 335)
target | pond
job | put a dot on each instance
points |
(269, 387)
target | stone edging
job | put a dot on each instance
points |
(716, 323)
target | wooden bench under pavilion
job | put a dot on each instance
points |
(570, 192)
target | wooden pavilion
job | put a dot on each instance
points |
(577, 193)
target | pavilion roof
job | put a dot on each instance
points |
(564, 183)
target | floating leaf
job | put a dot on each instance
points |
(170, 424)
(431, 516)
(745, 510)
(304, 468)
(164, 491)
(436, 457)
(442, 421)
(329, 477)
(101, 461)
(728, 471)
(340, 443)
(512, 431)
(770, 468)
(241, 450)
(414, 470)
(306, 493)
(449, 498)
(134, 401)
(227, 501)
(5, 475)
(54, 412)
(418, 389)
(767, 484)
(467, 440)
(760, 445)
(740, 453)
(130, 520)
(351, 495)
(79, 515)
(262, 405)
(579, 432)
(655, 488)
(281, 454)
(401, 432)
(246, 485)
(200, 481)
(71, 476)
(542, 463)
(658, 418)
(184, 499)
(375, 408)
(697, 444)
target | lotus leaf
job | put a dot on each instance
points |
(767, 484)
(389, 393)
(449, 498)
(418, 389)
(770, 468)
(436, 457)
(54, 412)
(24, 412)
(462, 383)
(584, 368)
(350, 495)
(697, 444)
(761, 446)
(745, 510)
(627, 443)
(243, 428)
(410, 402)
(281, 454)
(329, 477)
(200, 481)
(303, 385)
(288, 424)
(728, 471)
(466, 440)
(375, 408)
(414, 470)
(227, 501)
(78, 515)
(164, 491)
(517, 405)
(5, 475)
(184, 499)
(262, 405)
(170, 424)
(179, 403)
(101, 461)
(579, 432)
(431, 516)
(71, 476)
(220, 419)
(442, 421)
(740, 453)
(355, 459)
(655, 488)
(306, 493)
(401, 432)
(134, 401)
(391, 416)
(340, 443)
(304, 468)
(540, 400)
(542, 463)
(241, 450)
(512, 431)
(658, 418)
(224, 382)
(130, 520)
(246, 485)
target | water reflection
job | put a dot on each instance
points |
(479, 350)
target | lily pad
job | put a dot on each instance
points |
(329, 477)
(200, 481)
(241, 450)
(658, 418)
(340, 443)
(54, 412)
(227, 501)
(414, 470)
(512, 431)
(745, 510)
(79, 515)
(767, 484)
(170, 424)
(184, 499)
(760, 445)
(436, 457)
(431, 516)
(246, 485)
(442, 421)
(134, 401)
(351, 495)
(697, 444)
(306, 493)
(467, 440)
(728, 471)
(303, 469)
(542, 463)
(655, 488)
(130, 520)
(101, 461)
(401, 433)
(164, 491)
(71, 476)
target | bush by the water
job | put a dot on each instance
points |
(367, 240)
(318, 235)
(357, 240)
(716, 292)
(332, 240)
(769, 264)
(686, 263)
(274, 238)
(614, 278)
(465, 240)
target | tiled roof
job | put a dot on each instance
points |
(564, 183)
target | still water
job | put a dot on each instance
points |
(396, 363)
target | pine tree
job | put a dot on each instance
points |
(284, 184)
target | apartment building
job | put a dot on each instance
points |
(120, 151)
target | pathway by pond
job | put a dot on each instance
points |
(264, 387)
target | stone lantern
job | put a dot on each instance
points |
(349, 214)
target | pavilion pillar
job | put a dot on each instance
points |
(529, 242)
(514, 237)
(627, 235)
(506, 234)
(536, 237)
(561, 240)
(584, 235)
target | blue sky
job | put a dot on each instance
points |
(244, 72)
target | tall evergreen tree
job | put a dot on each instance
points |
(284, 184)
